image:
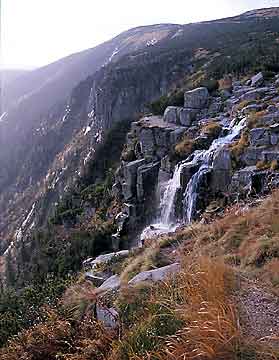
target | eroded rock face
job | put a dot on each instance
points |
(196, 99)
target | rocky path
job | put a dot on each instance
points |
(260, 313)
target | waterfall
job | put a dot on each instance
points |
(168, 198)
(202, 158)
(206, 158)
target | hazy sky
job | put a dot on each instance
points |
(37, 32)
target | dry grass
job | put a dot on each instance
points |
(255, 119)
(212, 129)
(238, 147)
(185, 147)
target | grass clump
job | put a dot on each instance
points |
(255, 119)
(184, 148)
(238, 147)
(212, 130)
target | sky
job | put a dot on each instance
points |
(37, 32)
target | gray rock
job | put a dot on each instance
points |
(146, 138)
(272, 109)
(112, 283)
(252, 155)
(176, 136)
(187, 116)
(156, 275)
(222, 171)
(108, 316)
(187, 171)
(130, 178)
(147, 180)
(103, 259)
(196, 99)
(255, 94)
(96, 280)
(259, 137)
(269, 156)
(242, 181)
(171, 114)
(251, 108)
(257, 80)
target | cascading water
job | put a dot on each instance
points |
(204, 159)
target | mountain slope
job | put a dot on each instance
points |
(45, 144)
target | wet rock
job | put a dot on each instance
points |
(259, 137)
(196, 99)
(257, 80)
(187, 171)
(222, 171)
(156, 275)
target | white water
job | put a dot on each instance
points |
(206, 158)
(167, 222)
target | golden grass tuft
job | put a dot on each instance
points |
(212, 129)
(185, 147)
(255, 119)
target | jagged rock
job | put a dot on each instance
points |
(103, 259)
(251, 108)
(156, 275)
(255, 94)
(176, 136)
(247, 181)
(269, 156)
(180, 116)
(238, 92)
(112, 283)
(259, 137)
(272, 109)
(196, 99)
(257, 80)
(147, 141)
(147, 180)
(252, 155)
(108, 316)
(222, 171)
(130, 178)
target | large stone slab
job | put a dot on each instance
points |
(103, 259)
(147, 180)
(129, 184)
(196, 99)
(156, 275)
(112, 283)
(259, 137)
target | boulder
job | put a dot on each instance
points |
(259, 137)
(251, 108)
(187, 116)
(103, 259)
(95, 279)
(196, 99)
(247, 181)
(130, 178)
(112, 283)
(257, 80)
(171, 114)
(255, 94)
(176, 135)
(156, 275)
(108, 316)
